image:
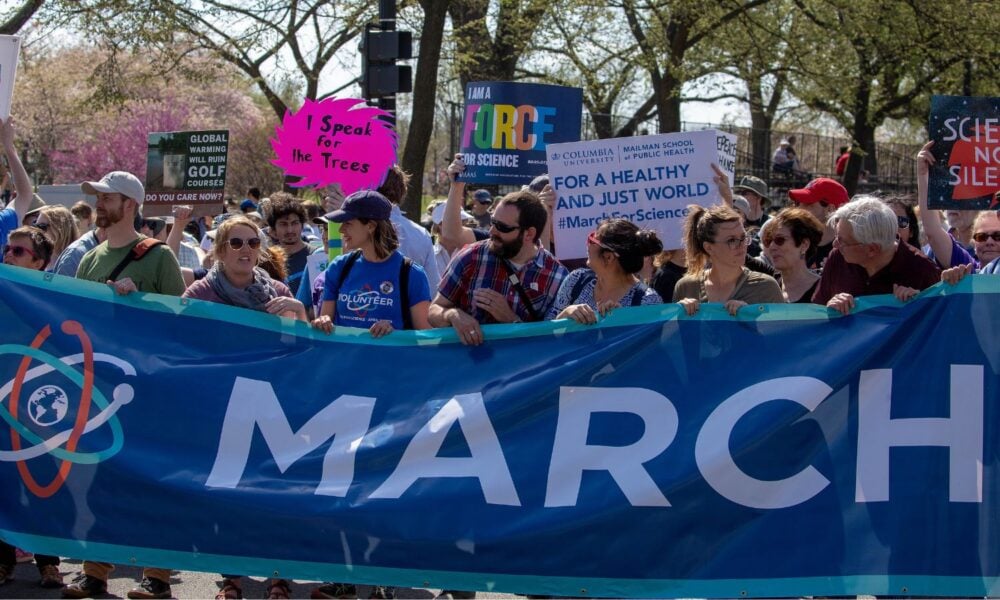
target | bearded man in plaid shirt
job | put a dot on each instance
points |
(507, 278)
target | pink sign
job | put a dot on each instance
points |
(337, 140)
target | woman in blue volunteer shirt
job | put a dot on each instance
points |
(371, 285)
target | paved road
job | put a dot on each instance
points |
(184, 585)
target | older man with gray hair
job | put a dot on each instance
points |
(867, 258)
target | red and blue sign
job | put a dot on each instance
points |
(507, 126)
(966, 134)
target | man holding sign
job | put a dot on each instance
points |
(505, 279)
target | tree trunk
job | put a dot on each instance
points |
(424, 98)
(760, 141)
(865, 134)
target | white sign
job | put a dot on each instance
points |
(10, 47)
(649, 180)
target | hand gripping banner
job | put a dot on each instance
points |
(784, 452)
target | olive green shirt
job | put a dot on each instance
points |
(157, 271)
(752, 288)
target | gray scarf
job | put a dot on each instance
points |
(254, 296)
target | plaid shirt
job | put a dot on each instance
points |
(476, 267)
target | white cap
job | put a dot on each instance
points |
(120, 182)
(437, 215)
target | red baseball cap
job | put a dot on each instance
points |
(822, 189)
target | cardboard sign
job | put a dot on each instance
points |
(507, 127)
(10, 48)
(337, 140)
(649, 180)
(966, 134)
(186, 167)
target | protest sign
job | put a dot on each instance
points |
(649, 180)
(10, 48)
(966, 135)
(646, 455)
(186, 167)
(336, 140)
(507, 127)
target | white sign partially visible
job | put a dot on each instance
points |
(649, 180)
(10, 48)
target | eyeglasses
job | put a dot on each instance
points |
(903, 222)
(593, 241)
(778, 240)
(837, 243)
(982, 236)
(237, 243)
(503, 227)
(19, 251)
(735, 243)
(42, 226)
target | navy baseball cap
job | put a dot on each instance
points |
(366, 204)
(482, 196)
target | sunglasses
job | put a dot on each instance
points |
(778, 240)
(593, 241)
(503, 227)
(982, 236)
(19, 251)
(237, 243)
(903, 222)
(42, 226)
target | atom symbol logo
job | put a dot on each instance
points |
(48, 405)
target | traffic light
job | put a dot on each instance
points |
(380, 75)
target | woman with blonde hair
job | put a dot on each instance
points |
(236, 277)
(716, 248)
(59, 226)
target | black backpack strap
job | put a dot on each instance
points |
(516, 282)
(637, 294)
(404, 292)
(136, 253)
(581, 283)
(351, 259)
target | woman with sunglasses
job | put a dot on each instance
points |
(986, 242)
(616, 251)
(29, 248)
(906, 219)
(236, 278)
(59, 226)
(716, 246)
(371, 285)
(790, 239)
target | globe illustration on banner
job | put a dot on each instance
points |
(48, 405)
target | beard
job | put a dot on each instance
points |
(507, 250)
(110, 217)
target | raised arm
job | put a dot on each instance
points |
(937, 235)
(722, 183)
(22, 183)
(453, 233)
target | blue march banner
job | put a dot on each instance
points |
(966, 134)
(507, 126)
(784, 452)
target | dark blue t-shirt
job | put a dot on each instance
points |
(371, 291)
